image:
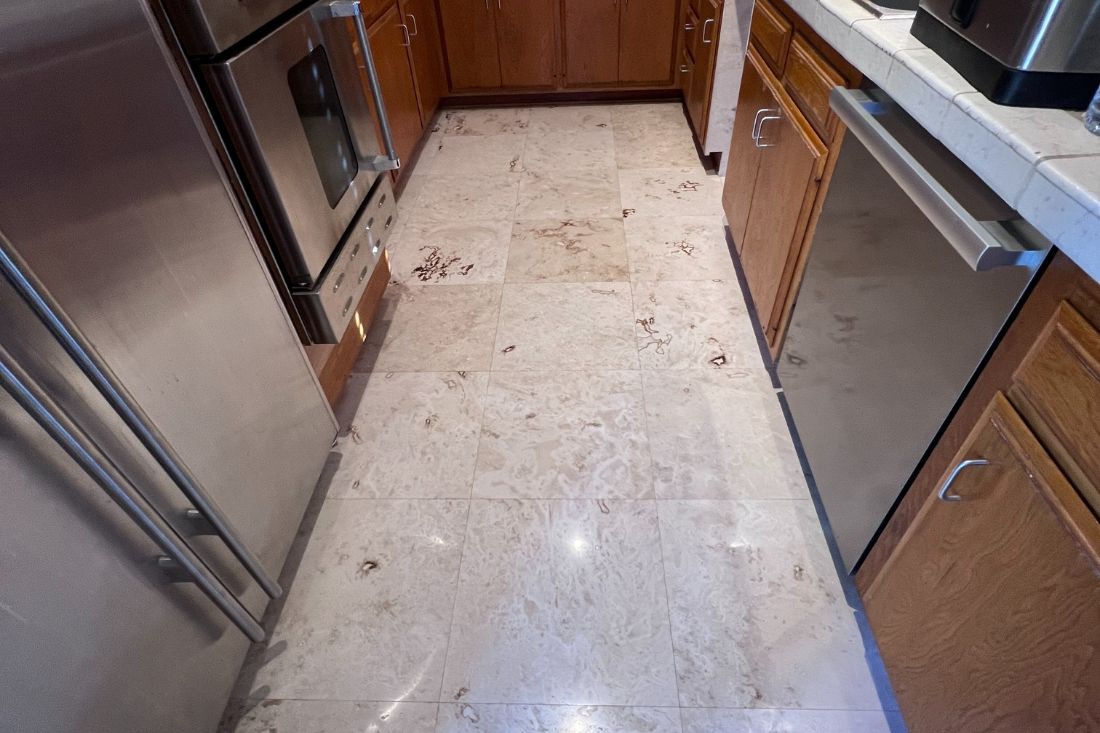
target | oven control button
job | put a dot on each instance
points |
(339, 281)
(347, 307)
(355, 251)
(363, 272)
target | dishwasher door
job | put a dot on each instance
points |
(893, 318)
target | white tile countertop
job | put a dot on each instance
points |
(1042, 161)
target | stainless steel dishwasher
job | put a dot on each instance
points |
(916, 267)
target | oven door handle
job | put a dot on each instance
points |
(353, 9)
(984, 245)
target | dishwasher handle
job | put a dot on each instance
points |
(983, 245)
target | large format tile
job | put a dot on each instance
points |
(655, 147)
(759, 619)
(571, 150)
(564, 435)
(670, 192)
(425, 328)
(545, 326)
(681, 325)
(720, 434)
(580, 117)
(414, 436)
(492, 121)
(467, 154)
(467, 718)
(368, 615)
(563, 194)
(678, 248)
(561, 602)
(568, 250)
(717, 720)
(667, 117)
(460, 252)
(325, 716)
(478, 197)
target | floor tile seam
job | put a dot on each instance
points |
(563, 369)
(622, 499)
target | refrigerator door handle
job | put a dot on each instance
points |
(83, 353)
(91, 459)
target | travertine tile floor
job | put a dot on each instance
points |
(567, 500)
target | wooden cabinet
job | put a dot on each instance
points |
(470, 36)
(389, 44)
(647, 40)
(704, 53)
(988, 613)
(590, 28)
(425, 47)
(527, 42)
(785, 140)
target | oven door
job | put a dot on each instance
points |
(208, 27)
(296, 110)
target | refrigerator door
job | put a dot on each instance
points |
(112, 195)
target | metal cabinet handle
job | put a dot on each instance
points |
(689, 26)
(984, 245)
(405, 32)
(765, 115)
(708, 21)
(943, 492)
(756, 124)
(353, 9)
(416, 26)
(684, 68)
(81, 351)
(100, 469)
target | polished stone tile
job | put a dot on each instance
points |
(478, 122)
(564, 435)
(561, 602)
(580, 117)
(461, 252)
(465, 154)
(414, 436)
(429, 328)
(655, 148)
(670, 192)
(568, 250)
(759, 619)
(476, 197)
(718, 720)
(680, 325)
(678, 248)
(720, 434)
(368, 615)
(564, 194)
(546, 326)
(572, 150)
(329, 716)
(667, 117)
(467, 718)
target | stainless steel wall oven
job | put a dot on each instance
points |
(284, 80)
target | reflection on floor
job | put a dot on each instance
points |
(567, 499)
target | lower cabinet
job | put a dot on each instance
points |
(702, 44)
(389, 42)
(425, 50)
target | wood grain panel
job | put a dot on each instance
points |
(771, 33)
(810, 79)
(591, 40)
(527, 38)
(647, 40)
(744, 165)
(470, 39)
(395, 76)
(705, 59)
(988, 613)
(429, 69)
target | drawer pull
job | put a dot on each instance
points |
(708, 21)
(943, 492)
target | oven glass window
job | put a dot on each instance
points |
(314, 92)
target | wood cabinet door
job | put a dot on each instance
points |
(647, 40)
(988, 611)
(427, 54)
(744, 163)
(395, 76)
(470, 37)
(705, 54)
(791, 163)
(591, 35)
(527, 39)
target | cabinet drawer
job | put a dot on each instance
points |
(1057, 389)
(771, 33)
(809, 79)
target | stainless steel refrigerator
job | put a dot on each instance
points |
(161, 431)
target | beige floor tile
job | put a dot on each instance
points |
(481, 122)
(564, 194)
(467, 718)
(468, 154)
(678, 248)
(566, 118)
(561, 602)
(555, 326)
(718, 720)
(568, 250)
(759, 619)
(337, 716)
(477, 197)
(670, 192)
(455, 253)
(564, 435)
(572, 150)
(655, 148)
(414, 436)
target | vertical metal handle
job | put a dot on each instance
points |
(943, 493)
(352, 9)
(756, 124)
(91, 459)
(708, 21)
(81, 351)
(769, 114)
(405, 32)
(416, 26)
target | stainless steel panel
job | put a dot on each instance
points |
(208, 27)
(254, 98)
(113, 197)
(889, 326)
(1030, 35)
